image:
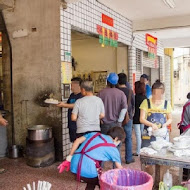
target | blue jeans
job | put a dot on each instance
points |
(128, 141)
(138, 133)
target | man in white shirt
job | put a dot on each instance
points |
(88, 110)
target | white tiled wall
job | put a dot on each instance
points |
(84, 16)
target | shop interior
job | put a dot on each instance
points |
(92, 61)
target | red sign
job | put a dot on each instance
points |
(151, 42)
(107, 20)
(107, 33)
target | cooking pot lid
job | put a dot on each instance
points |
(39, 127)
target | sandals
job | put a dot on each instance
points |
(2, 170)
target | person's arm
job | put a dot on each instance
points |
(118, 165)
(144, 121)
(75, 111)
(102, 110)
(3, 121)
(169, 120)
(65, 105)
(122, 115)
(76, 144)
(133, 103)
(73, 117)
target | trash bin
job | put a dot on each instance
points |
(3, 141)
(126, 179)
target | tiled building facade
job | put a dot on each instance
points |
(84, 16)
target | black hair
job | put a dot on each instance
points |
(77, 79)
(158, 85)
(111, 85)
(122, 78)
(188, 95)
(145, 76)
(116, 132)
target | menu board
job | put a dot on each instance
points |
(99, 78)
(66, 70)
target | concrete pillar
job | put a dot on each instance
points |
(34, 31)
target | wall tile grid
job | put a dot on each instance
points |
(84, 16)
(139, 42)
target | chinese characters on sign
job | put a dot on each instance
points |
(107, 37)
(151, 42)
(107, 20)
(66, 69)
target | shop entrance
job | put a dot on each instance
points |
(92, 61)
(153, 74)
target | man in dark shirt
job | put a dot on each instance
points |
(131, 108)
(75, 88)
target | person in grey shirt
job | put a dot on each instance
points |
(88, 110)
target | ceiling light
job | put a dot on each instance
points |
(170, 3)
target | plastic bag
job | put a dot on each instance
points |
(147, 150)
(159, 144)
(161, 132)
(125, 179)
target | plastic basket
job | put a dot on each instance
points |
(126, 179)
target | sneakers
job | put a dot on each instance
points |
(129, 162)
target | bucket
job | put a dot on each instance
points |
(126, 179)
(15, 151)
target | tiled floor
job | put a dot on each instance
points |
(18, 174)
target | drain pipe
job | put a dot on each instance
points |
(11, 77)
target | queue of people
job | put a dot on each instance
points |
(100, 127)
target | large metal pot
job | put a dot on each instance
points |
(39, 132)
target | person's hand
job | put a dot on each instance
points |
(3, 121)
(119, 124)
(65, 165)
(61, 104)
(154, 127)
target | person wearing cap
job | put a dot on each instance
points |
(115, 103)
(145, 79)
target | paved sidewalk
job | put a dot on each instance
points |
(18, 174)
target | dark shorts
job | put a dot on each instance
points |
(82, 134)
(72, 134)
(105, 127)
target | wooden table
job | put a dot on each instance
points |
(164, 158)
